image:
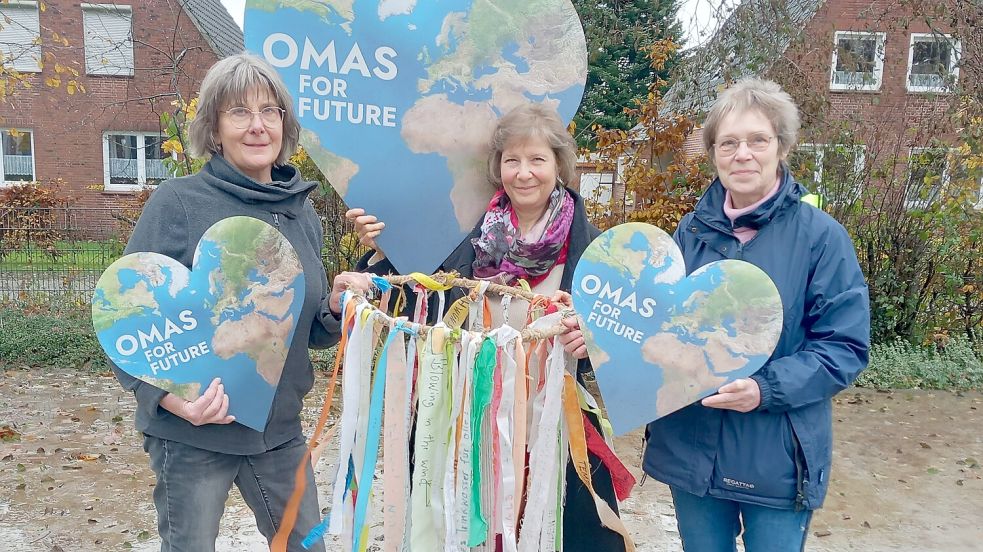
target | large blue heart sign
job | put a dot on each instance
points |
(660, 340)
(398, 100)
(232, 316)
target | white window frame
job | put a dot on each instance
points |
(21, 41)
(34, 160)
(953, 61)
(819, 155)
(912, 204)
(97, 66)
(141, 160)
(880, 39)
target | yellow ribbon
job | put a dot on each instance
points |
(430, 283)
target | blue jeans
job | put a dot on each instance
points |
(193, 485)
(708, 524)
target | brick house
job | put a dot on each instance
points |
(132, 57)
(874, 81)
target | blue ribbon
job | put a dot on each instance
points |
(317, 533)
(381, 283)
(374, 431)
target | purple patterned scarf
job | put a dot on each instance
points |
(502, 255)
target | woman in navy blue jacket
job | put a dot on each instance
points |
(755, 457)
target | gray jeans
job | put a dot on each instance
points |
(193, 485)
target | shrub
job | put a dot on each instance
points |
(900, 364)
(66, 341)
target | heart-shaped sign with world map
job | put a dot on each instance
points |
(232, 316)
(660, 340)
(398, 100)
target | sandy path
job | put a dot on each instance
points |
(906, 474)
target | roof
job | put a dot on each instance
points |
(216, 26)
(754, 37)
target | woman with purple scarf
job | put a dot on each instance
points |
(535, 229)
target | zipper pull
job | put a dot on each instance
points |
(276, 220)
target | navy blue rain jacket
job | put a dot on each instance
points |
(778, 455)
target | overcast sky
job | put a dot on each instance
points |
(697, 16)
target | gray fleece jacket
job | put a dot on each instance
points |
(173, 221)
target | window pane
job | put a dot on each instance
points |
(931, 62)
(123, 159)
(122, 146)
(925, 177)
(856, 54)
(17, 157)
(154, 156)
(929, 58)
(152, 147)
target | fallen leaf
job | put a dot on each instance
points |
(925, 445)
(84, 456)
(823, 533)
(8, 435)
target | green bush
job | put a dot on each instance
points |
(900, 364)
(45, 340)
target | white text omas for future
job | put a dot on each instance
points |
(605, 313)
(157, 348)
(325, 96)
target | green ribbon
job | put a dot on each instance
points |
(484, 368)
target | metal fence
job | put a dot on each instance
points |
(55, 255)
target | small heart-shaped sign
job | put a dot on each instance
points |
(232, 316)
(398, 100)
(660, 340)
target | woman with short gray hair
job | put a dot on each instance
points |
(754, 459)
(246, 126)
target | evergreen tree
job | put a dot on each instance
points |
(619, 35)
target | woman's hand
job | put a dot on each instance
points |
(355, 281)
(573, 339)
(367, 226)
(212, 407)
(742, 395)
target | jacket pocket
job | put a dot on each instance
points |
(758, 459)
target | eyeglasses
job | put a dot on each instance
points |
(755, 142)
(241, 118)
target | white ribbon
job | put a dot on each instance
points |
(507, 339)
(362, 331)
(540, 513)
